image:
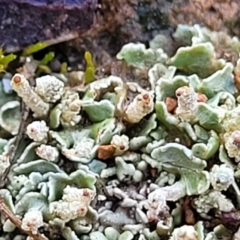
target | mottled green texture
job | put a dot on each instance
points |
(64, 138)
(33, 201)
(196, 182)
(99, 111)
(10, 117)
(137, 55)
(148, 126)
(220, 81)
(41, 166)
(199, 58)
(164, 116)
(208, 117)
(177, 155)
(29, 154)
(166, 87)
(206, 151)
(59, 181)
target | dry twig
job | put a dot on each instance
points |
(14, 147)
(17, 222)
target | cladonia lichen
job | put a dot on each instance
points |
(148, 149)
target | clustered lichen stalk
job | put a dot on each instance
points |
(31, 98)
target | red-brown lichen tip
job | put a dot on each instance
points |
(146, 96)
(236, 137)
(179, 92)
(122, 147)
(16, 79)
(85, 193)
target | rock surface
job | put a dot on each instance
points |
(24, 22)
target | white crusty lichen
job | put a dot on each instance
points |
(142, 105)
(4, 162)
(38, 131)
(32, 221)
(70, 107)
(231, 136)
(118, 218)
(75, 203)
(184, 232)
(157, 200)
(49, 88)
(47, 152)
(231, 122)
(137, 55)
(187, 103)
(212, 199)
(232, 144)
(82, 151)
(120, 143)
(21, 85)
(221, 177)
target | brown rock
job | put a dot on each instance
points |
(153, 172)
(214, 14)
(188, 212)
(24, 22)
(237, 78)
(106, 151)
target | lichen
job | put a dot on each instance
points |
(47, 152)
(38, 131)
(141, 106)
(32, 220)
(186, 103)
(114, 158)
(30, 97)
(74, 203)
(210, 200)
(184, 233)
(49, 88)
